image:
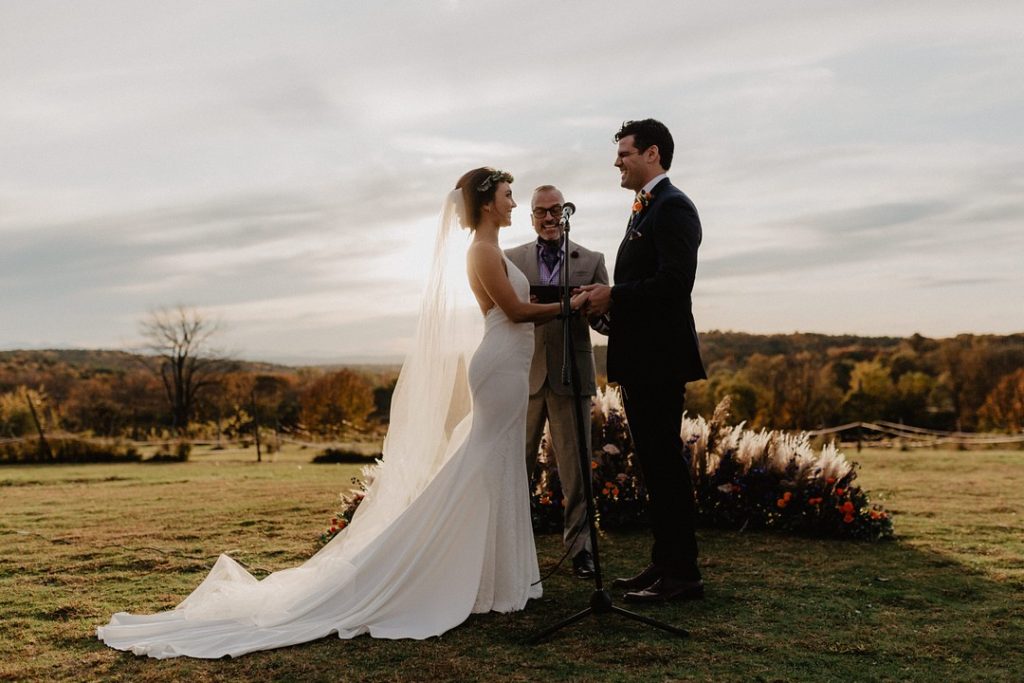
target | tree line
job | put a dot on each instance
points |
(798, 381)
(809, 381)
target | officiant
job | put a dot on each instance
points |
(551, 401)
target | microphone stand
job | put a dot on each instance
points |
(600, 599)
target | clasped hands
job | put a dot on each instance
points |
(590, 300)
(598, 299)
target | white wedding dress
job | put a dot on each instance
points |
(463, 543)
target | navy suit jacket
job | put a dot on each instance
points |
(653, 339)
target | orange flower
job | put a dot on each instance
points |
(781, 502)
(544, 500)
(830, 480)
(787, 495)
(341, 524)
(637, 206)
(593, 464)
(814, 501)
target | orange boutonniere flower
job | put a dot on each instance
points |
(643, 199)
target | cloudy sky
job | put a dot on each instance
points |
(858, 166)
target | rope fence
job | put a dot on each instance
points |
(891, 434)
(878, 433)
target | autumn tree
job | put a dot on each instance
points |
(15, 414)
(335, 400)
(181, 356)
(1004, 406)
(871, 392)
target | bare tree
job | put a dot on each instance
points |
(178, 340)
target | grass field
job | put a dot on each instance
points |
(945, 601)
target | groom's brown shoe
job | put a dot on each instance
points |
(642, 580)
(667, 589)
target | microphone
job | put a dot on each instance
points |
(568, 209)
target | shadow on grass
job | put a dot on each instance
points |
(776, 608)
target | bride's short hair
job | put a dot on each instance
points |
(479, 187)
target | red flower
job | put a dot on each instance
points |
(846, 508)
(848, 518)
(840, 491)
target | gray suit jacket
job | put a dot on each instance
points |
(585, 268)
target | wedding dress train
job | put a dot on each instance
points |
(463, 544)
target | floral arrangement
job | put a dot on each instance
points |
(742, 479)
(350, 502)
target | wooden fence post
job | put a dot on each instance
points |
(44, 445)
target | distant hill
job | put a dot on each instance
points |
(734, 348)
(99, 361)
(717, 347)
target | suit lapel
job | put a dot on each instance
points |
(583, 262)
(530, 263)
(634, 222)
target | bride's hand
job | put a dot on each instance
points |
(579, 301)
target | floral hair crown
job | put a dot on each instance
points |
(493, 179)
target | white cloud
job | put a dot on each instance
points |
(276, 163)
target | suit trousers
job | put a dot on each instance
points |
(559, 412)
(655, 414)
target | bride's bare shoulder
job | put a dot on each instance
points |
(483, 254)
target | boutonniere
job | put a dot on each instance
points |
(574, 254)
(642, 201)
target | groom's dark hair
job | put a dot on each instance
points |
(649, 132)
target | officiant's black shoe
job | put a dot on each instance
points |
(583, 565)
(642, 580)
(667, 589)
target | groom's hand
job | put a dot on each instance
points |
(600, 299)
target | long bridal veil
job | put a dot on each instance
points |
(372, 575)
(431, 401)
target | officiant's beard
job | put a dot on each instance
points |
(550, 234)
(551, 243)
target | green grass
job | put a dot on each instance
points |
(945, 601)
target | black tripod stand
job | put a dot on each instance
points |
(600, 599)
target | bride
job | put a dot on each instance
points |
(444, 531)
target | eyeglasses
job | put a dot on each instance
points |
(555, 211)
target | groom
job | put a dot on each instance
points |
(653, 351)
(550, 400)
